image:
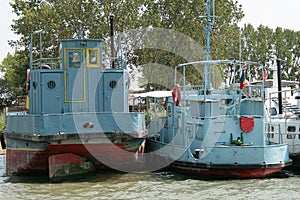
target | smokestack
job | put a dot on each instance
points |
(279, 86)
(111, 20)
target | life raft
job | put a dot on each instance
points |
(176, 94)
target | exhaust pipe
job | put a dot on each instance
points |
(279, 86)
(111, 20)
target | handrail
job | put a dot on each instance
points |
(285, 116)
(40, 63)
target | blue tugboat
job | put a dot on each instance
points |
(78, 119)
(216, 133)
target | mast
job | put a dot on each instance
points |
(207, 81)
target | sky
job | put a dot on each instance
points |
(271, 13)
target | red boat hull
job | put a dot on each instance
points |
(103, 156)
(228, 172)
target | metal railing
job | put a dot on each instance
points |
(46, 63)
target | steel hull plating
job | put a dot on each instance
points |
(228, 171)
(223, 162)
(30, 161)
(31, 139)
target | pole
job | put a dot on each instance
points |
(111, 19)
(279, 86)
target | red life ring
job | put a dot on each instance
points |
(247, 124)
(176, 94)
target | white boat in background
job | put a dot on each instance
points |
(283, 113)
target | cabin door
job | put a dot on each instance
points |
(114, 94)
(51, 92)
(74, 76)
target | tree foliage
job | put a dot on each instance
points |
(59, 19)
(12, 84)
(265, 45)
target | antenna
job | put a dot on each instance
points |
(79, 31)
(207, 81)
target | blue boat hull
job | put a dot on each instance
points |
(223, 162)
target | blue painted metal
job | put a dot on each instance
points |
(78, 85)
(201, 130)
(199, 134)
(207, 82)
(73, 96)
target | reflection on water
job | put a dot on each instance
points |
(161, 185)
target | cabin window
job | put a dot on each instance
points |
(273, 111)
(291, 129)
(60, 55)
(74, 59)
(93, 57)
(169, 111)
(290, 136)
(199, 131)
(225, 101)
(34, 84)
(179, 122)
(188, 130)
(270, 135)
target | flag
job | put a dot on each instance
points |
(242, 80)
(265, 75)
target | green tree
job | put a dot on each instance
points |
(186, 17)
(189, 18)
(51, 17)
(13, 83)
(285, 44)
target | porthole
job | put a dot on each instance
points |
(51, 84)
(291, 129)
(273, 111)
(34, 85)
(169, 111)
(113, 84)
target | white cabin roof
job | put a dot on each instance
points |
(157, 94)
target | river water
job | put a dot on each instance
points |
(157, 186)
